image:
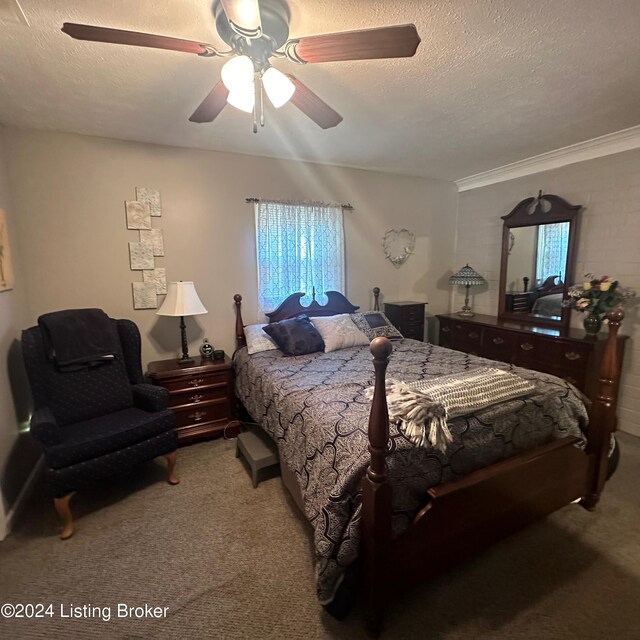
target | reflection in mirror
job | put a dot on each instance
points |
(537, 262)
(538, 259)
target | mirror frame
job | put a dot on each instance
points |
(527, 213)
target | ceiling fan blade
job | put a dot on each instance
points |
(244, 17)
(400, 41)
(313, 106)
(135, 38)
(212, 105)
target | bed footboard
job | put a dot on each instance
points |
(465, 516)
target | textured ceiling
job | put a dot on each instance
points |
(493, 81)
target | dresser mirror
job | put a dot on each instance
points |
(538, 259)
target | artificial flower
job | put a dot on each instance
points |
(597, 296)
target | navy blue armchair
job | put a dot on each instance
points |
(96, 421)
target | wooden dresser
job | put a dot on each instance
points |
(566, 353)
(202, 396)
(407, 318)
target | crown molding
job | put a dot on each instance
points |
(606, 145)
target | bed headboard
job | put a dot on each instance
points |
(290, 307)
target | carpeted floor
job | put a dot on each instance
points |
(230, 561)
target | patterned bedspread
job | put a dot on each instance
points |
(315, 409)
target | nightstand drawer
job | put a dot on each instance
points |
(200, 413)
(196, 381)
(198, 395)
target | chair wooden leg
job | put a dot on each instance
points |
(64, 512)
(171, 465)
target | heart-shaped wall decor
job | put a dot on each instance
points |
(398, 245)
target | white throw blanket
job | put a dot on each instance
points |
(423, 408)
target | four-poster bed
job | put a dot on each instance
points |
(457, 517)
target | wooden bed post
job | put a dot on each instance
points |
(376, 298)
(376, 493)
(240, 339)
(602, 417)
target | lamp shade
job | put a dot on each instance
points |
(181, 300)
(467, 276)
(237, 72)
(279, 88)
(243, 98)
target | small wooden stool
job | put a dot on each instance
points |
(258, 450)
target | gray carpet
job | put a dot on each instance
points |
(230, 561)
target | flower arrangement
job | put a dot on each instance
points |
(597, 296)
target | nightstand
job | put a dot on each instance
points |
(201, 396)
(407, 318)
(519, 302)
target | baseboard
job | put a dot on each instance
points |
(22, 498)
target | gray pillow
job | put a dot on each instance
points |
(374, 324)
(295, 336)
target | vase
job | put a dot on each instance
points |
(592, 323)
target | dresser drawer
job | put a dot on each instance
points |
(527, 351)
(564, 354)
(576, 375)
(196, 381)
(415, 332)
(412, 313)
(446, 333)
(498, 345)
(467, 338)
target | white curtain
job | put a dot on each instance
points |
(300, 245)
(553, 240)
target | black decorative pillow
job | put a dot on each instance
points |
(295, 336)
(374, 324)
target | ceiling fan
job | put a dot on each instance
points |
(256, 31)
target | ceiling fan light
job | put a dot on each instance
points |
(237, 73)
(243, 98)
(278, 87)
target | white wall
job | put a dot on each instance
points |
(13, 313)
(608, 242)
(69, 193)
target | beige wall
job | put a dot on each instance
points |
(608, 243)
(13, 315)
(69, 192)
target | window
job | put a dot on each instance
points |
(553, 241)
(299, 246)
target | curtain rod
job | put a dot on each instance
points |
(347, 206)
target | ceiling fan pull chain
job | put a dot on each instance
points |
(261, 102)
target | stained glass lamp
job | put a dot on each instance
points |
(467, 277)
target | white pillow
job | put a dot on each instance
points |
(257, 339)
(339, 332)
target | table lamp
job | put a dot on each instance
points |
(182, 300)
(467, 276)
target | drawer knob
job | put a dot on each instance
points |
(526, 346)
(446, 329)
(196, 397)
(498, 341)
(197, 415)
(196, 382)
(572, 355)
(474, 335)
